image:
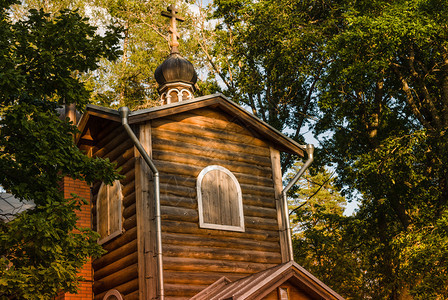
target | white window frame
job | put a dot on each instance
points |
(119, 231)
(113, 292)
(202, 224)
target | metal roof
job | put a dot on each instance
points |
(11, 206)
(257, 285)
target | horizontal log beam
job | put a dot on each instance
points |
(208, 142)
(127, 237)
(114, 255)
(216, 133)
(130, 222)
(117, 265)
(121, 142)
(182, 290)
(128, 189)
(127, 165)
(129, 199)
(170, 226)
(217, 153)
(199, 278)
(129, 211)
(206, 265)
(220, 241)
(128, 177)
(191, 215)
(228, 254)
(117, 280)
(111, 140)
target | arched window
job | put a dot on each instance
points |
(108, 211)
(220, 203)
(113, 295)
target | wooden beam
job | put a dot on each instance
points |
(144, 198)
(172, 109)
(278, 187)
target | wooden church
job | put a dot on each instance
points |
(199, 213)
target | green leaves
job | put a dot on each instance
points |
(43, 55)
(42, 254)
(374, 75)
(41, 63)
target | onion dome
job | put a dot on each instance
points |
(176, 75)
(176, 78)
(175, 69)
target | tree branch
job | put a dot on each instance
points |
(410, 98)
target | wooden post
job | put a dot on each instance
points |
(147, 264)
(278, 187)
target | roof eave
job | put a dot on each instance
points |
(218, 100)
(227, 105)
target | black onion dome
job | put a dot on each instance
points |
(175, 69)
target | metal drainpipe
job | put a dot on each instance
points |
(124, 113)
(310, 151)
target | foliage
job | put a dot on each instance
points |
(145, 42)
(378, 72)
(321, 240)
(385, 100)
(261, 64)
(42, 58)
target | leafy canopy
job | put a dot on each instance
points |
(373, 75)
(42, 58)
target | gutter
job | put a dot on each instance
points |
(310, 151)
(124, 113)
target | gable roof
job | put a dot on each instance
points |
(260, 284)
(283, 142)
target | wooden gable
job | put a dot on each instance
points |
(287, 281)
(185, 144)
(183, 139)
(237, 113)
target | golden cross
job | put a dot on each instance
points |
(172, 14)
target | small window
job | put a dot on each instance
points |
(220, 203)
(108, 211)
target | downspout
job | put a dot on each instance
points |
(310, 151)
(124, 113)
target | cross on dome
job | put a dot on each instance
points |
(172, 14)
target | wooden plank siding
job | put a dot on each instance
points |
(194, 257)
(118, 268)
(292, 291)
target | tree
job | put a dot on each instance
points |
(145, 42)
(321, 232)
(42, 58)
(377, 70)
(259, 67)
(385, 100)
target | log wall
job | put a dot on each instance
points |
(118, 268)
(184, 144)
